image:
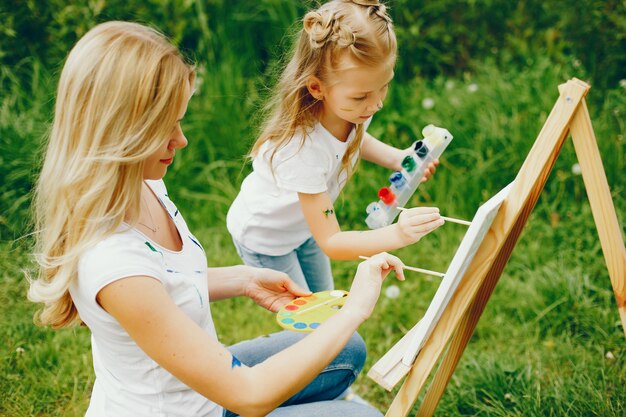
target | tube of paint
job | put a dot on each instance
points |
(387, 196)
(421, 149)
(376, 216)
(409, 164)
(398, 180)
(372, 207)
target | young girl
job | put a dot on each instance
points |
(336, 80)
(116, 255)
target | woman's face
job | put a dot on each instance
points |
(156, 165)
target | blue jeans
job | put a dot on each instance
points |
(318, 398)
(306, 265)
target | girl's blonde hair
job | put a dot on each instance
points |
(119, 97)
(360, 28)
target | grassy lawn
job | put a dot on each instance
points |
(549, 343)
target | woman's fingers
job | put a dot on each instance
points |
(385, 263)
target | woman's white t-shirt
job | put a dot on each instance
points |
(266, 216)
(128, 382)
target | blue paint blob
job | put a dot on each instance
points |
(314, 325)
(300, 325)
(287, 321)
(196, 242)
(235, 362)
(397, 179)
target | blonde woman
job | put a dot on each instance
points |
(116, 255)
(336, 80)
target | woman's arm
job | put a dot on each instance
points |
(319, 213)
(269, 288)
(144, 309)
(228, 281)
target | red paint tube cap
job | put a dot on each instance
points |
(386, 195)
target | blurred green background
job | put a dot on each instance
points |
(550, 341)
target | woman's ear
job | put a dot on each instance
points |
(315, 87)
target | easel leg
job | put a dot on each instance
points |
(601, 203)
(470, 318)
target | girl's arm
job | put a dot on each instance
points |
(411, 226)
(144, 309)
(380, 153)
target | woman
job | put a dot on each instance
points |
(116, 255)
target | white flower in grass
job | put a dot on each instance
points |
(449, 85)
(19, 350)
(576, 63)
(609, 355)
(392, 291)
(472, 88)
(576, 170)
(622, 83)
(428, 103)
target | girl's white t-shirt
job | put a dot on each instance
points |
(128, 382)
(266, 216)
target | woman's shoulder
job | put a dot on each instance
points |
(123, 241)
(124, 253)
(124, 247)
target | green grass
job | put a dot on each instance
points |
(549, 342)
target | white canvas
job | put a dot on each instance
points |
(467, 249)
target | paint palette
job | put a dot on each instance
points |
(305, 314)
(383, 212)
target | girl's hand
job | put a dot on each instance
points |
(430, 170)
(272, 289)
(415, 223)
(368, 280)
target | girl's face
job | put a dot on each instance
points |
(354, 94)
(156, 165)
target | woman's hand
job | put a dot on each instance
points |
(272, 289)
(367, 282)
(415, 223)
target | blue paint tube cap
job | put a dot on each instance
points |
(397, 179)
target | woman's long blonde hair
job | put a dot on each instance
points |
(363, 29)
(119, 96)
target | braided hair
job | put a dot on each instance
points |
(360, 28)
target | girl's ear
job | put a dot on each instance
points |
(315, 87)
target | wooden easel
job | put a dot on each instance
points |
(458, 321)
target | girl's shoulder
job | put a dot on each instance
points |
(312, 139)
